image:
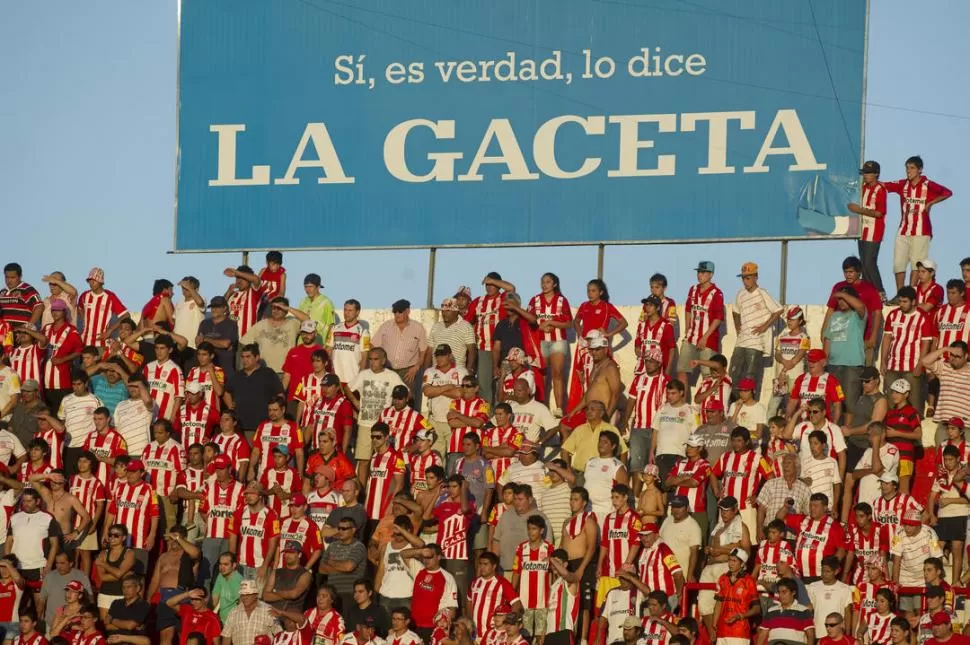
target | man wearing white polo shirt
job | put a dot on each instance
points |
(755, 311)
(77, 413)
(133, 417)
(457, 333)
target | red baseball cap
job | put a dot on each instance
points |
(816, 355)
(713, 404)
(747, 384)
(222, 461)
(298, 500)
(135, 465)
(956, 422)
(940, 618)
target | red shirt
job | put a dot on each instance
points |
(271, 282)
(61, 341)
(931, 293)
(205, 622)
(488, 311)
(596, 316)
(915, 216)
(845, 640)
(704, 307)
(956, 639)
(905, 419)
(299, 362)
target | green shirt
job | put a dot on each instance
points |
(320, 311)
(228, 591)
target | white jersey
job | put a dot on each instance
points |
(600, 473)
(869, 488)
(347, 343)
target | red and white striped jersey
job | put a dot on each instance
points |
(767, 558)
(962, 446)
(243, 307)
(654, 632)
(418, 465)
(704, 307)
(302, 530)
(336, 414)
(563, 612)
(96, 311)
(951, 324)
(931, 293)
(906, 332)
(288, 479)
(864, 597)
(496, 513)
(816, 539)
(453, 525)
(404, 425)
(60, 343)
(135, 506)
(698, 471)
(575, 524)
(165, 385)
(476, 408)
(269, 435)
(309, 390)
(660, 335)
(407, 638)
(54, 439)
(233, 446)
(486, 595)
(255, 530)
(621, 531)
(203, 378)
(196, 423)
(327, 627)
(383, 467)
(25, 361)
(27, 470)
(90, 492)
(888, 511)
(320, 504)
(109, 445)
(193, 480)
(867, 544)
(555, 309)
(915, 216)
(740, 476)
(220, 505)
(873, 198)
(826, 386)
(657, 567)
(34, 639)
(163, 463)
(650, 393)
(494, 437)
(488, 310)
(532, 565)
(877, 628)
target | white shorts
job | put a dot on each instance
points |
(909, 250)
(705, 599)
(105, 600)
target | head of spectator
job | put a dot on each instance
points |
(818, 444)
(899, 393)
(870, 380)
(888, 484)
(346, 530)
(817, 360)
(835, 626)
(608, 444)
(749, 276)
(694, 446)
(194, 392)
(219, 307)
(620, 497)
(487, 564)
(431, 556)
(253, 495)
(327, 443)
(727, 508)
(935, 598)
(818, 506)
(292, 554)
(653, 360)
(400, 620)
(740, 440)
(746, 388)
(876, 569)
(401, 309)
(311, 285)
(578, 499)
(227, 564)
(249, 357)
(378, 437)
(248, 594)
(689, 628)
(62, 563)
(162, 431)
(900, 631)
(852, 269)
(787, 591)
(863, 515)
(632, 629)
(598, 346)
(956, 354)
(651, 473)
(955, 428)
(308, 336)
(556, 469)
(658, 285)
(649, 534)
(816, 412)
(363, 592)
(789, 466)
(281, 457)
(443, 358)
(737, 561)
(121, 467)
(131, 587)
(28, 627)
(223, 467)
(449, 311)
(522, 499)
(911, 522)
(376, 360)
(471, 444)
(595, 413)
(12, 275)
(276, 410)
(830, 569)
(38, 450)
(914, 168)
(926, 271)
(679, 507)
(88, 618)
(528, 453)
(536, 529)
(279, 307)
(705, 271)
(652, 305)
(350, 491)
(714, 411)
(502, 415)
(933, 572)
(135, 471)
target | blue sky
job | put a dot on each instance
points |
(87, 147)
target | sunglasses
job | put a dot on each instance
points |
(831, 625)
(377, 436)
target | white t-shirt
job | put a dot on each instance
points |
(599, 474)
(910, 553)
(133, 422)
(828, 599)
(755, 308)
(439, 405)
(29, 531)
(673, 425)
(375, 393)
(188, 315)
(824, 474)
(77, 413)
(347, 342)
(749, 416)
(869, 488)
(949, 492)
(680, 537)
(534, 475)
(616, 608)
(9, 387)
(529, 418)
(10, 445)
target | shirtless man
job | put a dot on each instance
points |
(169, 578)
(427, 499)
(579, 540)
(64, 507)
(603, 385)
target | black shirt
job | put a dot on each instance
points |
(225, 330)
(137, 611)
(355, 615)
(252, 393)
(510, 334)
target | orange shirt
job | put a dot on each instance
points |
(736, 598)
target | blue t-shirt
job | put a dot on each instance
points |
(846, 335)
(110, 395)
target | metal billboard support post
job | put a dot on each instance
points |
(783, 290)
(433, 252)
(600, 253)
(245, 258)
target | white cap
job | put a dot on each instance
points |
(596, 339)
(889, 478)
(927, 264)
(901, 385)
(193, 387)
(740, 554)
(308, 326)
(695, 441)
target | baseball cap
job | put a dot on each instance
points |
(816, 355)
(748, 268)
(901, 385)
(221, 461)
(653, 354)
(956, 422)
(740, 554)
(651, 469)
(449, 304)
(747, 384)
(298, 499)
(596, 341)
(218, 301)
(794, 312)
(74, 585)
(527, 447)
(281, 449)
(330, 380)
(652, 300)
(314, 279)
(713, 404)
(400, 306)
(30, 385)
(400, 392)
(247, 587)
(442, 350)
(889, 478)
(96, 274)
(728, 502)
(328, 472)
(869, 373)
(193, 387)
(425, 435)
(870, 166)
(308, 326)
(911, 518)
(135, 465)
(649, 528)
(292, 545)
(695, 441)
(515, 354)
(679, 501)
(705, 265)
(940, 618)
(631, 622)
(927, 264)
(58, 305)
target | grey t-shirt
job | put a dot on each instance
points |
(53, 590)
(356, 512)
(716, 439)
(511, 531)
(355, 552)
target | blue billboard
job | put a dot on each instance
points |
(436, 123)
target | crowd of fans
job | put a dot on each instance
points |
(243, 471)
